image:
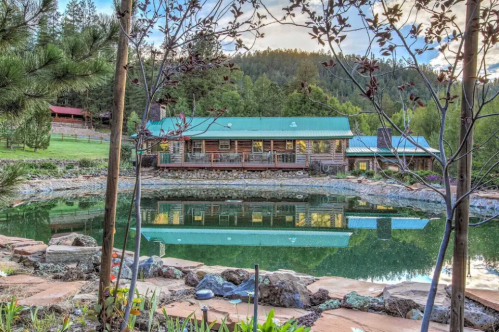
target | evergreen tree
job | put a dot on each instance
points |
(73, 18)
(38, 129)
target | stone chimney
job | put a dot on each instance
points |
(384, 138)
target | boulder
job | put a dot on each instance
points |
(402, 298)
(480, 320)
(283, 290)
(440, 314)
(170, 272)
(150, 267)
(191, 279)
(30, 250)
(363, 303)
(319, 297)
(74, 239)
(330, 305)
(244, 291)
(235, 276)
(69, 254)
(414, 314)
(216, 284)
(126, 272)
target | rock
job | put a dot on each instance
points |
(216, 284)
(319, 297)
(150, 267)
(345, 320)
(488, 298)
(235, 276)
(480, 320)
(283, 290)
(86, 298)
(74, 239)
(309, 320)
(402, 298)
(330, 305)
(244, 291)
(363, 303)
(30, 250)
(181, 264)
(126, 272)
(69, 254)
(414, 314)
(25, 244)
(338, 287)
(171, 272)
(191, 279)
(55, 292)
(440, 314)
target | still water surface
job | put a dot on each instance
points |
(310, 233)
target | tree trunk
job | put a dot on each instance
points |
(461, 220)
(114, 150)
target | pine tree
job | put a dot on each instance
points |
(73, 18)
(38, 128)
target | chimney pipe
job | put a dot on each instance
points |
(384, 137)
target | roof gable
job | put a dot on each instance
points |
(260, 127)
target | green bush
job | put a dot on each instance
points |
(87, 163)
(70, 166)
(48, 165)
(369, 174)
(126, 152)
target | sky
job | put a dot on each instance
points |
(290, 37)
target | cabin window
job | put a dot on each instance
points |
(321, 220)
(176, 147)
(302, 146)
(257, 147)
(302, 220)
(362, 165)
(320, 147)
(337, 147)
(224, 144)
(197, 146)
(289, 218)
(290, 145)
(164, 146)
(257, 217)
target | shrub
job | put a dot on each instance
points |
(369, 174)
(48, 165)
(126, 152)
(86, 163)
(70, 166)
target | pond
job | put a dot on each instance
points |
(317, 234)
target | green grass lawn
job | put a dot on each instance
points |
(61, 150)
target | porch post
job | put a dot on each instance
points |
(204, 146)
(235, 145)
(271, 146)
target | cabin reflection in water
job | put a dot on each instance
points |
(327, 223)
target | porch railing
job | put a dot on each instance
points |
(235, 159)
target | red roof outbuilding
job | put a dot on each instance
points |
(66, 110)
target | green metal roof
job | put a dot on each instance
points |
(244, 237)
(259, 128)
(367, 146)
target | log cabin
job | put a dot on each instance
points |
(252, 143)
(287, 143)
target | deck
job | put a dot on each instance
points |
(233, 160)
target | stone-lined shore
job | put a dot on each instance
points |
(482, 202)
(62, 275)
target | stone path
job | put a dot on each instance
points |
(223, 309)
(338, 287)
(345, 320)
